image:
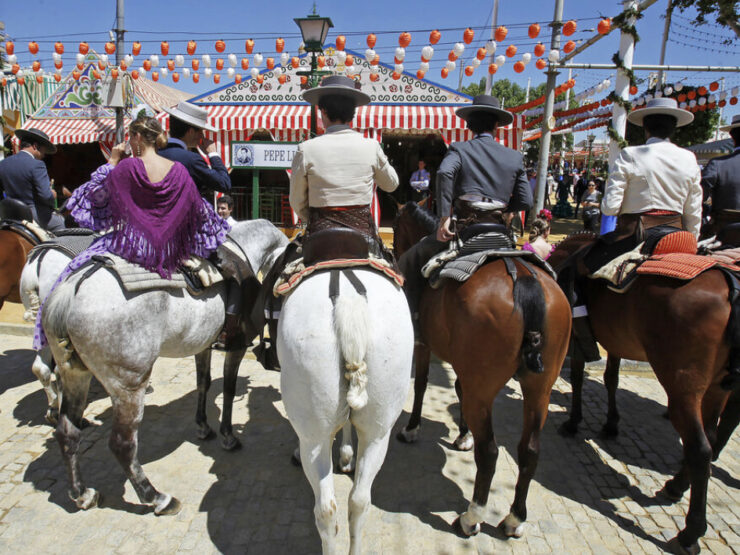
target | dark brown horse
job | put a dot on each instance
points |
(13, 251)
(479, 327)
(680, 328)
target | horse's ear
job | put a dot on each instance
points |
(423, 202)
(399, 206)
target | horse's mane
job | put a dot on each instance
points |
(422, 216)
(566, 248)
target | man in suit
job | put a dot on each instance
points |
(187, 123)
(720, 180)
(23, 177)
(478, 172)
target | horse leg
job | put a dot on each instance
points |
(316, 461)
(477, 413)
(42, 368)
(128, 411)
(577, 370)
(728, 421)
(203, 379)
(611, 381)
(231, 371)
(464, 440)
(346, 453)
(371, 451)
(422, 357)
(75, 385)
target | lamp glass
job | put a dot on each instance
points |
(314, 30)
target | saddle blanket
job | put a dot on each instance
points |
(676, 265)
(297, 271)
(730, 258)
(448, 265)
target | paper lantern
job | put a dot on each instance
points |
(22, 80)
(258, 59)
(424, 66)
(282, 79)
(519, 67)
(58, 78)
(114, 73)
(526, 58)
(452, 56)
(104, 59)
(400, 54)
(95, 74)
(541, 63)
(220, 46)
(534, 30)
(349, 60)
(426, 53)
(164, 71)
(702, 90)
(270, 63)
(341, 41)
(722, 103)
(4, 82)
(36, 65)
(260, 79)
(371, 39)
(135, 74)
(434, 36)
(39, 79)
(216, 78)
(469, 70)
(171, 65)
(468, 35)
(284, 59)
(206, 59)
(148, 65)
(569, 47)
(237, 78)
(539, 49)
(681, 97)
(480, 54)
(492, 68)
(511, 51)
(9, 47)
(375, 62)
(702, 101)
(500, 34)
(369, 54)
(450, 65)
(84, 48)
(191, 47)
(295, 61)
(196, 77)
(604, 26)
(59, 48)
(129, 59)
(254, 72)
(500, 60)
(420, 74)
(245, 64)
(445, 72)
(80, 66)
(404, 39)
(33, 47)
(668, 91)
(733, 101)
(249, 45)
(475, 62)
(186, 72)
(373, 77)
(135, 48)
(208, 72)
(633, 90)
(219, 64)
(101, 66)
(569, 28)
(154, 59)
(179, 60)
(321, 61)
(195, 63)
(713, 86)
(279, 45)
(175, 77)
(58, 64)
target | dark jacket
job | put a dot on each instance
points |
(720, 180)
(215, 178)
(24, 178)
(483, 167)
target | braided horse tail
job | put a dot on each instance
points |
(529, 299)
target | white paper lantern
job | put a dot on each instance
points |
(58, 72)
(400, 53)
(258, 59)
(254, 72)
(734, 91)
(607, 84)
(163, 70)
(374, 69)
(206, 59)
(553, 56)
(723, 95)
(427, 52)
(79, 57)
(232, 60)
(490, 47)
(186, 72)
(450, 65)
(142, 70)
(424, 66)
(475, 62)
(154, 59)
(370, 55)
(668, 91)
(682, 105)
(658, 94)
(104, 59)
(341, 56)
(678, 87)
(230, 72)
(56, 57)
(526, 58)
(500, 60)
(599, 87)
(398, 68)
(712, 98)
(702, 100)
(179, 60)
(458, 49)
(692, 103)
(207, 72)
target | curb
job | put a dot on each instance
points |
(16, 329)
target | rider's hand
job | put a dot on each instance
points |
(444, 233)
(207, 145)
(117, 154)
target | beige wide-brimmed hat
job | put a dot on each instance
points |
(667, 106)
(33, 135)
(191, 114)
(337, 85)
(485, 103)
(735, 123)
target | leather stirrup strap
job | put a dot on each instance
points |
(356, 283)
(334, 284)
(511, 268)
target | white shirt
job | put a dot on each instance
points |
(655, 176)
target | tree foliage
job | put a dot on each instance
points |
(725, 12)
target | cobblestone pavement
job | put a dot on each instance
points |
(589, 495)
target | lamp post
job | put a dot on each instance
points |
(314, 29)
(590, 138)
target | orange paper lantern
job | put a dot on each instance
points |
(36, 65)
(445, 72)
(249, 45)
(569, 28)
(371, 39)
(245, 64)
(481, 54)
(95, 73)
(395, 76)
(196, 77)
(114, 73)
(691, 95)
(541, 63)
(722, 103)
(123, 66)
(501, 33)
(539, 49)
(733, 101)
(604, 26)
(681, 97)
(136, 48)
(492, 68)
(321, 61)
(702, 91)
(375, 61)
(9, 47)
(148, 65)
(349, 61)
(260, 79)
(58, 64)
(404, 39)
(84, 47)
(511, 51)
(21, 80)
(192, 45)
(434, 36)
(164, 47)
(80, 66)
(569, 47)
(220, 46)
(219, 64)
(468, 35)
(237, 78)
(155, 76)
(270, 62)
(519, 66)
(633, 89)
(135, 74)
(534, 30)
(101, 66)
(57, 77)
(282, 79)
(420, 74)
(217, 78)
(39, 79)
(373, 77)
(175, 77)
(171, 65)
(452, 56)
(4, 82)
(397, 60)
(295, 61)
(469, 70)
(110, 47)
(59, 48)
(713, 86)
(304, 79)
(341, 41)
(279, 45)
(195, 63)
(33, 47)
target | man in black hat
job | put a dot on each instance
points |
(720, 180)
(478, 180)
(23, 177)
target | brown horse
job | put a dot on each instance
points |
(479, 327)
(13, 251)
(681, 329)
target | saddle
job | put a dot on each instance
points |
(71, 243)
(335, 244)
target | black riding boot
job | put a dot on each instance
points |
(232, 333)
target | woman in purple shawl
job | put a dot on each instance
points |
(148, 205)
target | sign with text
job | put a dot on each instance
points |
(262, 155)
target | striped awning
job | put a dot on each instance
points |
(71, 131)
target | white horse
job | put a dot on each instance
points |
(344, 360)
(116, 336)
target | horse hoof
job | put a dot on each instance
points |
(670, 494)
(568, 429)
(230, 443)
(346, 460)
(609, 431)
(168, 506)
(89, 499)
(204, 432)
(295, 458)
(461, 528)
(674, 546)
(408, 436)
(52, 416)
(464, 443)
(512, 526)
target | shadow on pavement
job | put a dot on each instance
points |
(15, 368)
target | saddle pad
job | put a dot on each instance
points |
(620, 270)
(296, 271)
(678, 241)
(461, 268)
(727, 257)
(135, 278)
(71, 245)
(676, 265)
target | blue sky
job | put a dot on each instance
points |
(152, 21)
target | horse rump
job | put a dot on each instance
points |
(529, 299)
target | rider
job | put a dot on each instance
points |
(479, 172)
(333, 175)
(721, 182)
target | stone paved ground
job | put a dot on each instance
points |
(589, 495)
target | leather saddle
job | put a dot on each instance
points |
(468, 232)
(335, 244)
(14, 210)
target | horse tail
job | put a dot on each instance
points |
(529, 299)
(30, 292)
(351, 324)
(56, 308)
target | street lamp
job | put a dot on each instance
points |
(314, 29)
(590, 138)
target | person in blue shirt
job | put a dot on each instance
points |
(420, 182)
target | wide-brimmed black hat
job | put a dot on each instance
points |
(32, 135)
(488, 104)
(337, 85)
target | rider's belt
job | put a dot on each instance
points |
(636, 224)
(469, 212)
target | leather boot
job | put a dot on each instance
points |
(231, 333)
